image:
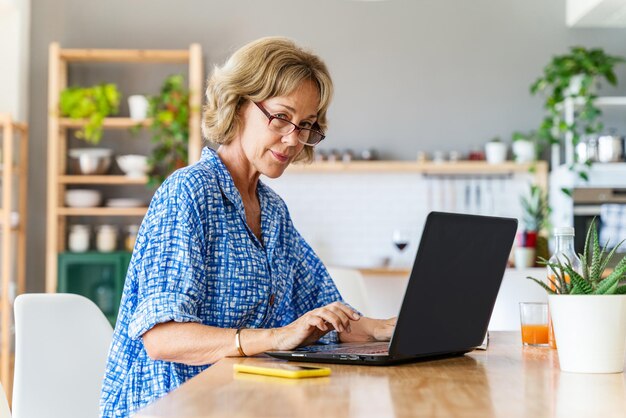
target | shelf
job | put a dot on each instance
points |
(16, 170)
(602, 101)
(125, 55)
(102, 179)
(610, 101)
(101, 211)
(461, 167)
(110, 123)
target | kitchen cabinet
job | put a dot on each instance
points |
(14, 173)
(608, 175)
(59, 128)
(97, 276)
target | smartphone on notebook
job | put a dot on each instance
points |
(282, 370)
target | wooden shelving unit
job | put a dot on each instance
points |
(14, 183)
(59, 127)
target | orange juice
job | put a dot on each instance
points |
(535, 334)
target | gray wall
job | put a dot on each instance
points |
(409, 75)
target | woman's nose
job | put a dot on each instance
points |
(292, 138)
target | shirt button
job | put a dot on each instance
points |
(272, 299)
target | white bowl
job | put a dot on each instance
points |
(124, 203)
(133, 165)
(90, 160)
(83, 198)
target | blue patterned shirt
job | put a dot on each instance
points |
(196, 260)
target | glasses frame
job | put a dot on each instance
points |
(271, 117)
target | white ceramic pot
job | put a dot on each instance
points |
(138, 107)
(524, 151)
(524, 257)
(495, 152)
(590, 332)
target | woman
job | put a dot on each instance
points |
(218, 268)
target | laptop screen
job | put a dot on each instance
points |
(454, 283)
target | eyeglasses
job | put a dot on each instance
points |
(307, 136)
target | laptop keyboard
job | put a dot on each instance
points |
(375, 348)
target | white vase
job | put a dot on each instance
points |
(524, 257)
(138, 107)
(495, 152)
(524, 151)
(590, 332)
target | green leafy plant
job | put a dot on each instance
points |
(92, 103)
(587, 66)
(169, 111)
(536, 209)
(567, 281)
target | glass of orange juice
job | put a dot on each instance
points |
(534, 320)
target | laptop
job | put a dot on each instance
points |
(448, 300)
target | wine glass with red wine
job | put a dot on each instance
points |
(400, 240)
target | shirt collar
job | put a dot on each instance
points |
(230, 191)
(224, 179)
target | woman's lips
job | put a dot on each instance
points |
(280, 157)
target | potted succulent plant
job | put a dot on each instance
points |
(92, 103)
(574, 75)
(588, 310)
(169, 111)
(535, 220)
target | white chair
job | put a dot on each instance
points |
(5, 412)
(61, 347)
(351, 285)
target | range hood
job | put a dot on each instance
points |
(596, 13)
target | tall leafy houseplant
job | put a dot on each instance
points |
(169, 111)
(92, 103)
(589, 310)
(535, 219)
(574, 75)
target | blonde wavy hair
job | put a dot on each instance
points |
(265, 68)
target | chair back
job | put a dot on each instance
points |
(351, 285)
(61, 348)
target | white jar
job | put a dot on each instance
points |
(78, 239)
(106, 238)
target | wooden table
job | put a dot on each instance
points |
(507, 380)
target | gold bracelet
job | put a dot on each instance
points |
(238, 343)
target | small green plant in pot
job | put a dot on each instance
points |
(92, 103)
(588, 310)
(169, 111)
(535, 219)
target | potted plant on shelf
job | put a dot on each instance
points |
(526, 146)
(495, 151)
(532, 244)
(589, 310)
(574, 76)
(92, 103)
(169, 111)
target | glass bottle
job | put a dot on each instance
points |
(563, 253)
(131, 237)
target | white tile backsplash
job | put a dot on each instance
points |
(349, 218)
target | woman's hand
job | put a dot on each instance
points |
(313, 325)
(383, 330)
